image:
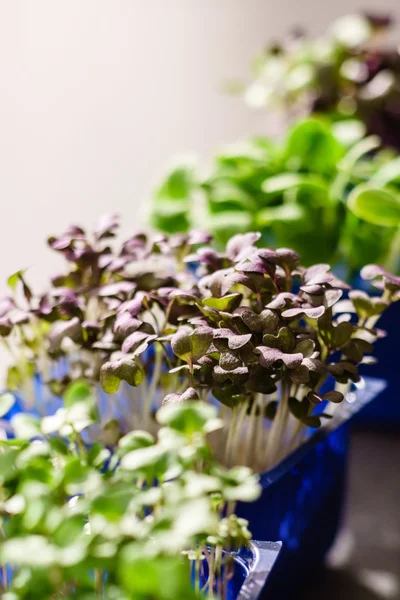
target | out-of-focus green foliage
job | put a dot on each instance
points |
(325, 190)
(80, 521)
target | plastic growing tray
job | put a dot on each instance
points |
(253, 566)
(302, 498)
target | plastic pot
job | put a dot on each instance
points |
(302, 498)
(253, 566)
(385, 412)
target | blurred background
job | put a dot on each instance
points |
(98, 95)
(96, 98)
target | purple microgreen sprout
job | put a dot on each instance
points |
(172, 318)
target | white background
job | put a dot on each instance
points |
(96, 95)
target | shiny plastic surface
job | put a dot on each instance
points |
(253, 566)
(384, 413)
(302, 498)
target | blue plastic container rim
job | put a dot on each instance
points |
(365, 391)
(258, 560)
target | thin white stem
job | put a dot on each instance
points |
(251, 423)
(231, 432)
(261, 436)
(237, 434)
(150, 395)
(275, 439)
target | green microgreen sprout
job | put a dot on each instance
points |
(324, 189)
(82, 521)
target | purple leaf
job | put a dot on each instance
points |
(125, 324)
(234, 341)
(269, 356)
(281, 300)
(198, 236)
(6, 304)
(317, 274)
(134, 306)
(137, 342)
(116, 289)
(288, 258)
(107, 226)
(240, 244)
(332, 296)
(187, 396)
(5, 326)
(235, 375)
(255, 266)
(311, 313)
(371, 272)
(63, 329)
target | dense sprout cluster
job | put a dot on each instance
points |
(71, 329)
(352, 70)
(325, 190)
(173, 318)
(82, 522)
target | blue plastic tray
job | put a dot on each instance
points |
(384, 413)
(253, 566)
(302, 498)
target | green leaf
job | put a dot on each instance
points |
(190, 346)
(8, 457)
(225, 192)
(33, 551)
(146, 578)
(171, 202)
(312, 147)
(179, 182)
(388, 173)
(172, 222)
(228, 223)
(226, 303)
(123, 369)
(341, 334)
(189, 417)
(14, 379)
(348, 132)
(7, 401)
(364, 146)
(13, 279)
(109, 381)
(375, 206)
(78, 391)
(286, 181)
(25, 426)
(74, 471)
(280, 183)
(286, 213)
(169, 209)
(141, 459)
(135, 439)
(113, 504)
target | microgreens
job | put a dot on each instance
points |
(324, 190)
(350, 71)
(248, 327)
(80, 521)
